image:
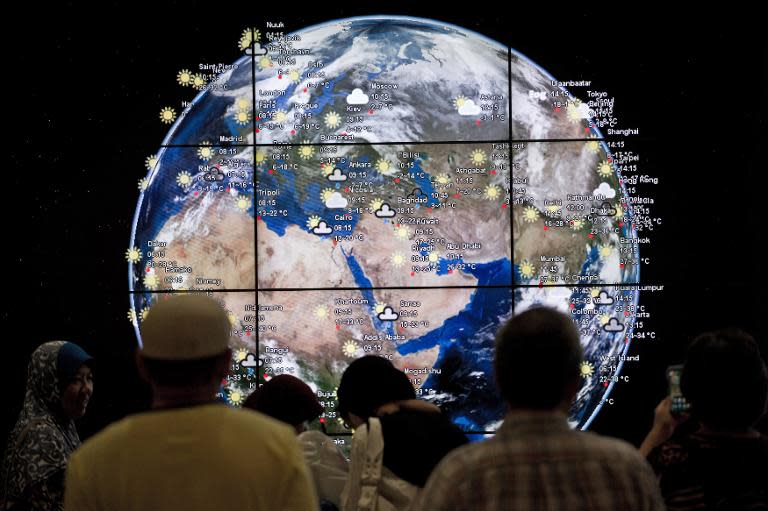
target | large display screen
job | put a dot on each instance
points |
(391, 186)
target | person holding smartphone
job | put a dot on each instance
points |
(672, 413)
(713, 458)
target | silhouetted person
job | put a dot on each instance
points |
(415, 434)
(535, 460)
(189, 452)
(287, 399)
(723, 464)
(59, 386)
(290, 400)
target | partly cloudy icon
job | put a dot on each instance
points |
(249, 361)
(337, 175)
(603, 299)
(613, 326)
(385, 211)
(336, 201)
(469, 108)
(388, 314)
(357, 97)
(605, 190)
(605, 209)
(322, 228)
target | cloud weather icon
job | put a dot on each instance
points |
(469, 108)
(613, 325)
(605, 209)
(605, 190)
(357, 97)
(385, 211)
(336, 201)
(257, 50)
(603, 299)
(249, 361)
(214, 175)
(417, 194)
(388, 314)
(337, 175)
(579, 110)
(322, 228)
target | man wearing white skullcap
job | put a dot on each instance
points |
(189, 452)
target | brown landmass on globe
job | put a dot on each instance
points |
(213, 238)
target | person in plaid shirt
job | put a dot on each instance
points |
(535, 460)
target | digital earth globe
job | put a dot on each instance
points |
(393, 186)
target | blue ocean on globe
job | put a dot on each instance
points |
(245, 214)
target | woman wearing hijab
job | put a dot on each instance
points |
(59, 386)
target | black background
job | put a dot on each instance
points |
(84, 89)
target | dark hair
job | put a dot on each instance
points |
(184, 373)
(725, 379)
(538, 354)
(370, 382)
(287, 399)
